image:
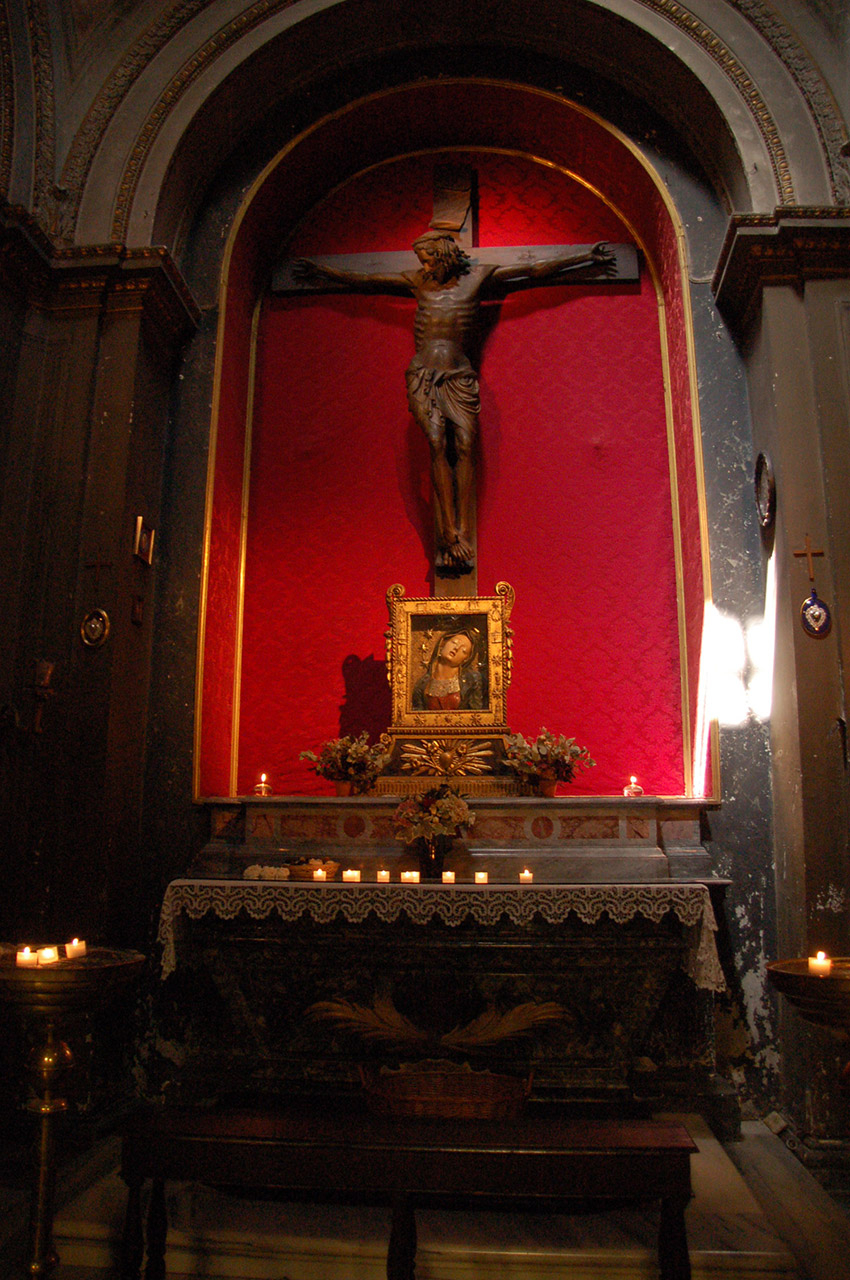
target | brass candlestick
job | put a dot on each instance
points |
(47, 996)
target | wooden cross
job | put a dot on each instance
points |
(454, 211)
(430, 385)
(809, 552)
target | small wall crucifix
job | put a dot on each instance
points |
(442, 387)
(809, 552)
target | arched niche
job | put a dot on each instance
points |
(330, 162)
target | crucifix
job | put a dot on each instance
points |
(809, 552)
(442, 387)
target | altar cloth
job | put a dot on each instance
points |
(451, 904)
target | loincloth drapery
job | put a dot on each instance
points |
(452, 394)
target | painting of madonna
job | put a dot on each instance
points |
(453, 680)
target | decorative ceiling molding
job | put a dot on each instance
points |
(710, 43)
(7, 103)
(93, 128)
(671, 10)
(831, 128)
(43, 202)
(89, 137)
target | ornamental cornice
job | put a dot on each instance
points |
(55, 278)
(791, 246)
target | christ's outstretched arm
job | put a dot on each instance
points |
(309, 272)
(600, 256)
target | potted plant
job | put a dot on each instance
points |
(431, 820)
(352, 764)
(543, 762)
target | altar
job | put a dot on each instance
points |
(575, 945)
(588, 991)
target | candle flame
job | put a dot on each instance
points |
(821, 955)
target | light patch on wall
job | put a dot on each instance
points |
(761, 643)
(725, 652)
(753, 991)
(739, 661)
(736, 672)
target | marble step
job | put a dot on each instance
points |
(220, 1236)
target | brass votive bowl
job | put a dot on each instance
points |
(67, 986)
(820, 998)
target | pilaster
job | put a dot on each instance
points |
(90, 370)
(783, 281)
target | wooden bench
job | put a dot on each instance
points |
(543, 1160)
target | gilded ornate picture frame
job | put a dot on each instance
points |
(449, 660)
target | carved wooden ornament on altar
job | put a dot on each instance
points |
(449, 668)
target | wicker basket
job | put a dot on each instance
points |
(444, 1090)
(304, 870)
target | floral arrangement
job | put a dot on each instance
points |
(438, 812)
(349, 759)
(547, 756)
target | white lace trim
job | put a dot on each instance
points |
(452, 904)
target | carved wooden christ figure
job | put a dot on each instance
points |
(442, 387)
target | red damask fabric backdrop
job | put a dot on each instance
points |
(573, 490)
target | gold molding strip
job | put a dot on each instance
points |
(243, 540)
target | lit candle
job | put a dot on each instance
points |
(820, 964)
(26, 959)
(410, 877)
(351, 874)
(633, 789)
(75, 948)
(481, 877)
(320, 874)
(526, 877)
(383, 876)
(448, 877)
(262, 788)
(48, 955)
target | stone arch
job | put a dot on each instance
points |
(754, 111)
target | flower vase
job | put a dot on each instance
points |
(343, 786)
(431, 851)
(546, 786)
